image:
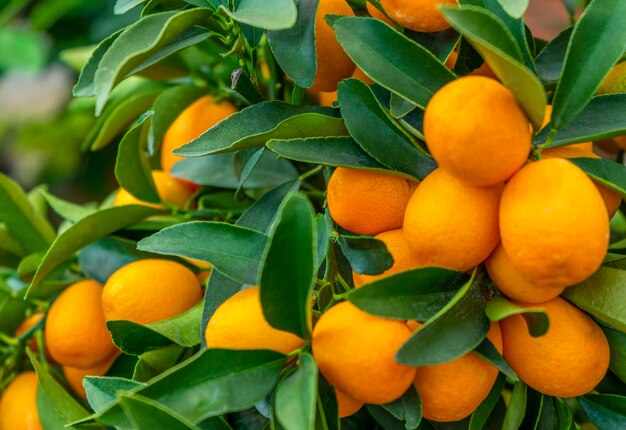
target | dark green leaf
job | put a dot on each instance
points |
(152, 363)
(102, 390)
(597, 43)
(63, 403)
(399, 106)
(132, 167)
(329, 151)
(84, 232)
(440, 43)
(366, 255)
(263, 212)
(600, 296)
(604, 117)
(412, 295)
(135, 339)
(550, 60)
(517, 407)
(32, 231)
(407, 408)
(457, 328)
(608, 173)
(148, 413)
(296, 396)
(490, 354)
(384, 418)
(494, 42)
(499, 308)
(85, 85)
(483, 411)
(234, 250)
(137, 43)
(391, 59)
(617, 343)
(294, 48)
(375, 132)
(266, 14)
(289, 267)
(255, 125)
(607, 411)
(168, 105)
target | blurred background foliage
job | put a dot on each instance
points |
(42, 127)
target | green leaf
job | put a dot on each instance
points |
(407, 408)
(328, 151)
(63, 403)
(294, 49)
(366, 255)
(9, 244)
(607, 411)
(102, 390)
(137, 43)
(480, 416)
(289, 267)
(515, 8)
(255, 125)
(499, 308)
(516, 408)
(391, 59)
(617, 343)
(296, 396)
(84, 86)
(399, 106)
(262, 213)
(32, 231)
(266, 14)
(457, 328)
(84, 232)
(135, 339)
(123, 6)
(600, 296)
(49, 418)
(597, 43)
(144, 412)
(440, 43)
(375, 132)
(608, 173)
(489, 353)
(416, 294)
(152, 363)
(167, 107)
(132, 166)
(127, 102)
(494, 42)
(234, 250)
(23, 49)
(204, 385)
(550, 60)
(384, 418)
(604, 117)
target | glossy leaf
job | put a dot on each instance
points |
(489, 353)
(102, 390)
(236, 251)
(144, 412)
(483, 411)
(600, 296)
(123, 6)
(375, 132)
(328, 151)
(266, 14)
(407, 408)
(137, 43)
(85, 85)
(515, 8)
(132, 167)
(63, 403)
(296, 396)
(32, 231)
(416, 294)
(440, 43)
(607, 411)
(262, 213)
(289, 267)
(495, 44)
(597, 42)
(617, 343)
(85, 231)
(604, 117)
(454, 330)
(366, 255)
(391, 59)
(550, 60)
(294, 48)
(499, 308)
(609, 173)
(516, 408)
(255, 125)
(135, 339)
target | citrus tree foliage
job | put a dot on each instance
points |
(259, 215)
